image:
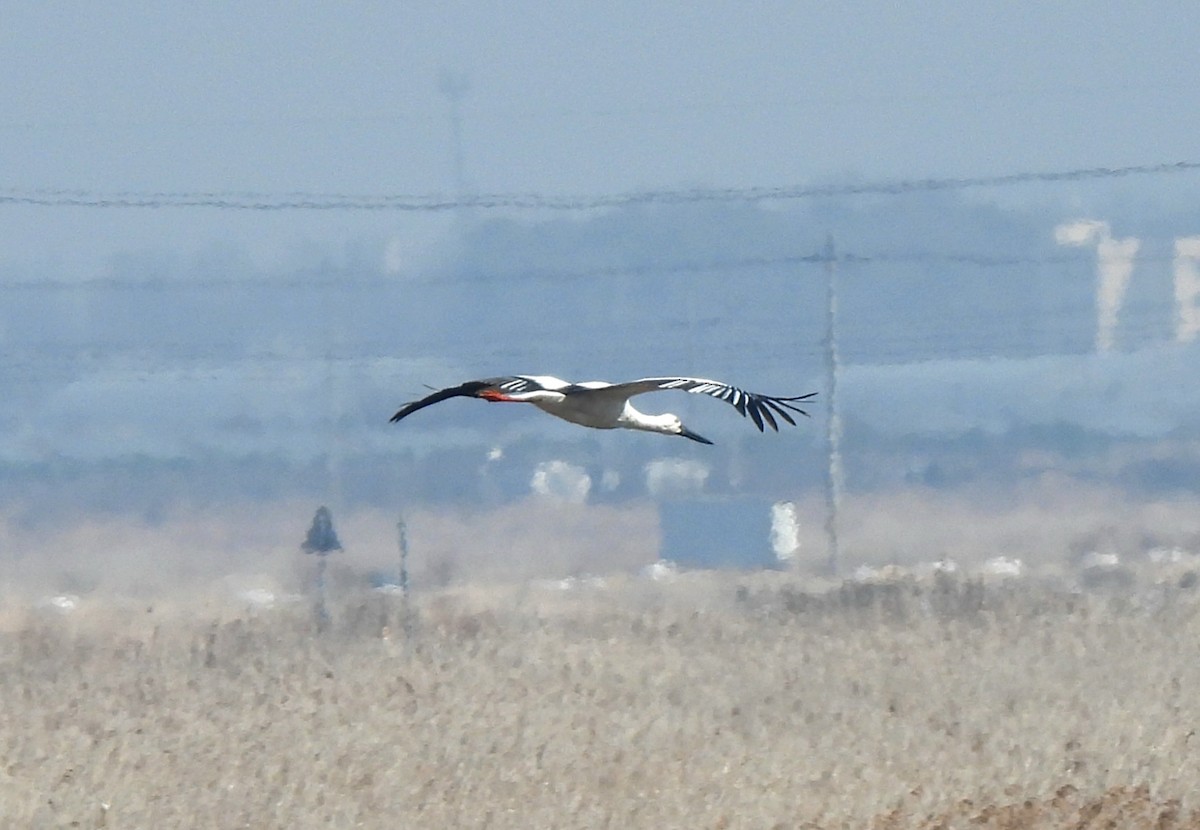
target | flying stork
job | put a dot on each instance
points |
(602, 405)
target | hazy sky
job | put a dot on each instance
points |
(560, 98)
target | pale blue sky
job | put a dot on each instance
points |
(565, 98)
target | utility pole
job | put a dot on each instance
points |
(454, 86)
(407, 618)
(834, 473)
(402, 534)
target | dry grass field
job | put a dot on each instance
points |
(707, 700)
(188, 684)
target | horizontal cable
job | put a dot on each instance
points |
(534, 201)
(347, 281)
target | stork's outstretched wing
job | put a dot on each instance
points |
(509, 387)
(759, 408)
(470, 389)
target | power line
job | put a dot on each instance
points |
(370, 280)
(534, 201)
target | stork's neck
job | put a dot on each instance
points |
(633, 419)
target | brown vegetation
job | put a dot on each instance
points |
(709, 700)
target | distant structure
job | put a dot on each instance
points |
(321, 540)
(1187, 288)
(785, 533)
(454, 86)
(718, 533)
(1114, 265)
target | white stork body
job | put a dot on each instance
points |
(602, 405)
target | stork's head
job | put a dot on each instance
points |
(687, 433)
(665, 424)
(676, 427)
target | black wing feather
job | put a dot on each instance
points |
(770, 418)
(756, 414)
(470, 389)
(781, 412)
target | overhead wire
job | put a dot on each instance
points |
(300, 200)
(349, 280)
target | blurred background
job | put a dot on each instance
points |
(233, 243)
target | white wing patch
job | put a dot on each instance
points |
(526, 383)
(762, 409)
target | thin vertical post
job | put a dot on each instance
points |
(834, 474)
(455, 86)
(407, 612)
(402, 535)
(322, 609)
(321, 541)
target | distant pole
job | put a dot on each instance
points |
(454, 86)
(332, 391)
(402, 534)
(407, 620)
(834, 474)
(322, 607)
